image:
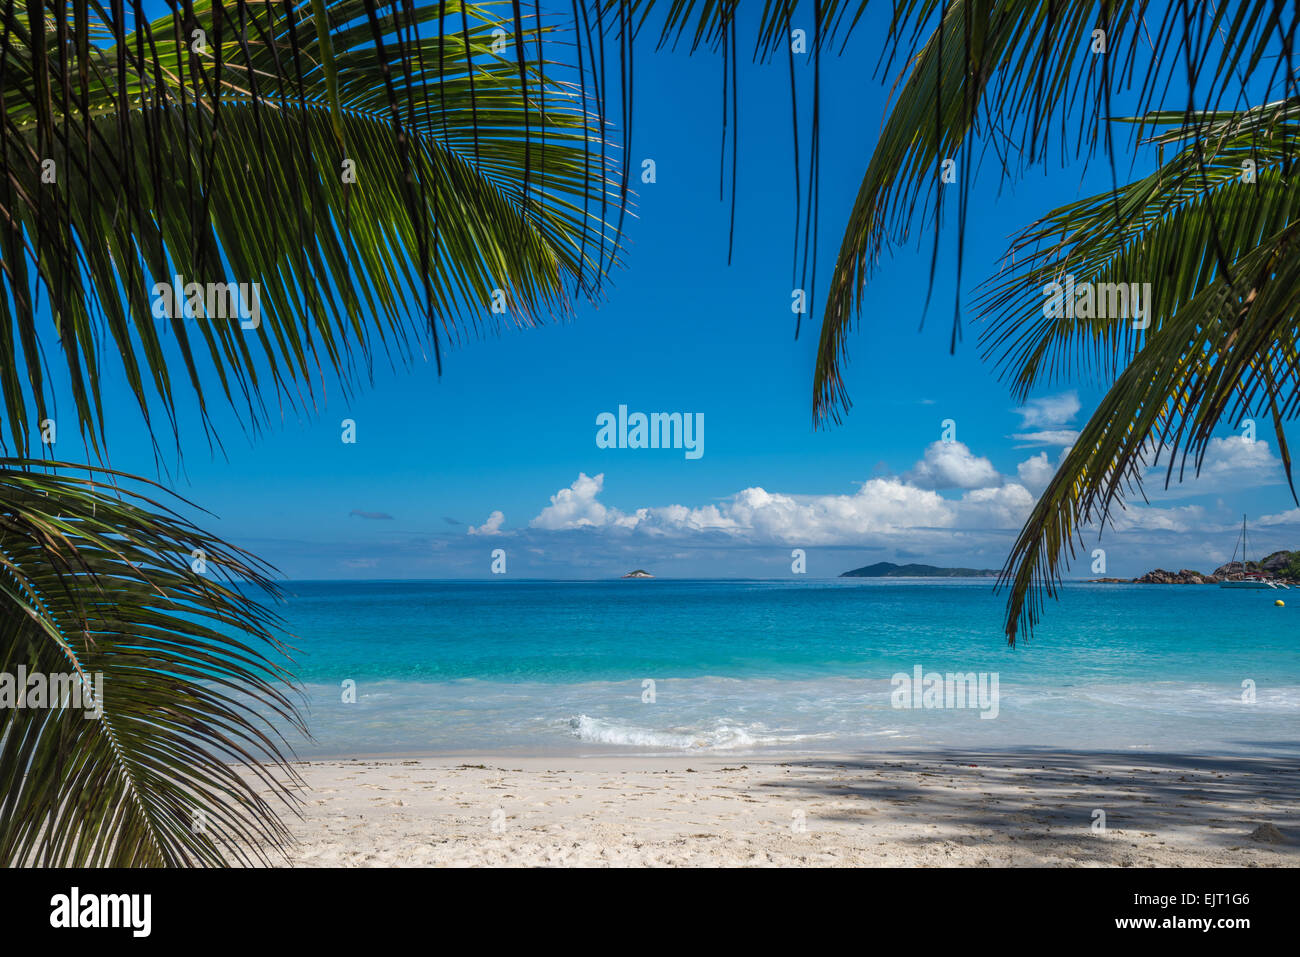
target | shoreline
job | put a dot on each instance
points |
(776, 754)
(942, 807)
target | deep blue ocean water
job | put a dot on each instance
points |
(667, 666)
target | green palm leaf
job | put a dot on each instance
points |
(1014, 82)
(96, 578)
(1223, 255)
(217, 145)
(1224, 188)
(230, 165)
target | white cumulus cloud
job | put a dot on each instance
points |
(1035, 472)
(882, 508)
(952, 465)
(492, 526)
(577, 507)
(1229, 464)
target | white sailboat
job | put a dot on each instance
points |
(1244, 578)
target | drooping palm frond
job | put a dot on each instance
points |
(107, 587)
(997, 84)
(1013, 83)
(1219, 243)
(378, 176)
(1228, 184)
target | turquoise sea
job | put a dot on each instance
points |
(668, 666)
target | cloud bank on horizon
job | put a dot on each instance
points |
(880, 506)
(952, 506)
(950, 488)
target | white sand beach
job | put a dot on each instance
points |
(931, 809)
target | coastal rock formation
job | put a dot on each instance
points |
(1184, 576)
(1281, 566)
(1279, 562)
(1234, 568)
(639, 573)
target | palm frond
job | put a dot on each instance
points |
(98, 584)
(1019, 81)
(341, 177)
(1221, 254)
(1228, 184)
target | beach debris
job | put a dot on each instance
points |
(1268, 834)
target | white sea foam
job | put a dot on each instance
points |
(730, 716)
(721, 737)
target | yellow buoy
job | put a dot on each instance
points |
(1280, 603)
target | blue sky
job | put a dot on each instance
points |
(511, 423)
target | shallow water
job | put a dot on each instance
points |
(799, 666)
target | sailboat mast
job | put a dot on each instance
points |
(1241, 578)
(1243, 544)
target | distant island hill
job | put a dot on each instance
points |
(890, 570)
(1282, 566)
